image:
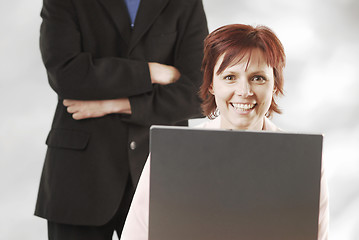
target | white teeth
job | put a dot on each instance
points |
(243, 107)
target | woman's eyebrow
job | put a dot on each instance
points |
(230, 72)
(261, 72)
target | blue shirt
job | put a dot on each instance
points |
(132, 7)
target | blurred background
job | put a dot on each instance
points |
(321, 84)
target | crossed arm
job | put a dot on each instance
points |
(82, 109)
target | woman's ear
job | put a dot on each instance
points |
(210, 89)
(274, 90)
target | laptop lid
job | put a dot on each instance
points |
(218, 184)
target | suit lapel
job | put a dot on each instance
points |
(148, 11)
(118, 11)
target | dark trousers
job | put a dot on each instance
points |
(58, 231)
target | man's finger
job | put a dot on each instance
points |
(67, 102)
(71, 109)
(77, 116)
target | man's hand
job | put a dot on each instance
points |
(82, 109)
(163, 74)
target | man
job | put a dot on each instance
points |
(145, 65)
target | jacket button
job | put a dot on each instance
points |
(133, 145)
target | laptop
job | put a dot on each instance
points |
(224, 185)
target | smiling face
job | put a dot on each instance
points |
(243, 92)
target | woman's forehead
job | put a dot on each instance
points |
(251, 58)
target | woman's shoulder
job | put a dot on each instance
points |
(270, 126)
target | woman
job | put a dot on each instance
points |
(243, 74)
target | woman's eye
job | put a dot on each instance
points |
(229, 77)
(259, 79)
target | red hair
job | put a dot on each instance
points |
(235, 42)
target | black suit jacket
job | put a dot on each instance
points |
(91, 53)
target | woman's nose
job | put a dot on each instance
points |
(243, 89)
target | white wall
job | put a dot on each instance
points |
(321, 83)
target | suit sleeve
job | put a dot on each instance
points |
(168, 104)
(76, 74)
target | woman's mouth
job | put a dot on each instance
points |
(244, 107)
